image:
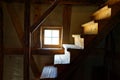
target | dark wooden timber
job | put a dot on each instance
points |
(63, 2)
(36, 35)
(110, 53)
(36, 51)
(43, 17)
(27, 35)
(1, 44)
(66, 23)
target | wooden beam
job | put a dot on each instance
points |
(27, 47)
(16, 22)
(36, 35)
(66, 23)
(1, 44)
(63, 2)
(36, 51)
(43, 17)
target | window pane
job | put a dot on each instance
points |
(47, 41)
(55, 33)
(47, 33)
(55, 41)
(51, 37)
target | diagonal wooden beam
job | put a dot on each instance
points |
(36, 34)
(63, 2)
(1, 44)
(16, 22)
(43, 17)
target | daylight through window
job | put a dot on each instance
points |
(51, 37)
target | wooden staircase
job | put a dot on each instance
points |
(67, 71)
(60, 71)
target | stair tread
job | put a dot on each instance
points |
(49, 72)
(62, 59)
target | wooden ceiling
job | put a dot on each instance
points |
(82, 2)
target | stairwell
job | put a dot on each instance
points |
(64, 69)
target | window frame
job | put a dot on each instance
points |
(60, 36)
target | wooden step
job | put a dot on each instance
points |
(52, 71)
(62, 59)
(49, 73)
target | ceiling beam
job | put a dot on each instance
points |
(63, 2)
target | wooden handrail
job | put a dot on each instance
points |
(43, 17)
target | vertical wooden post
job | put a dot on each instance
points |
(27, 35)
(66, 23)
(36, 34)
(1, 44)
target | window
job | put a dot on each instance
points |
(51, 37)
